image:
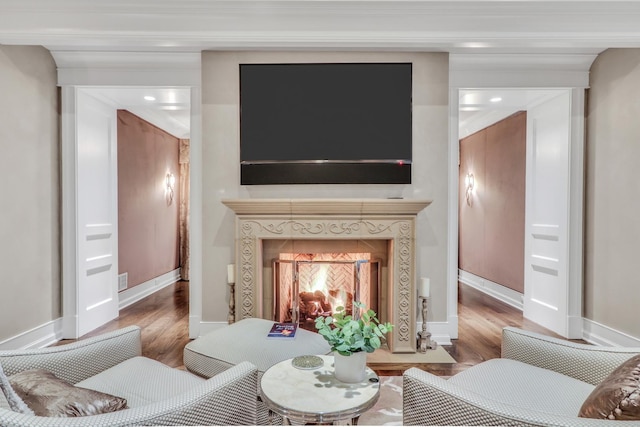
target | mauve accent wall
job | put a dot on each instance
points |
(148, 240)
(491, 225)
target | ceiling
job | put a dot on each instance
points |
(169, 109)
(460, 27)
(419, 25)
(481, 108)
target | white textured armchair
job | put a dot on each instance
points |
(539, 381)
(156, 394)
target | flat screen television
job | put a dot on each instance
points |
(325, 123)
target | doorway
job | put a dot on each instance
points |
(541, 280)
(91, 168)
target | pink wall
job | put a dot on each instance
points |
(148, 241)
(491, 233)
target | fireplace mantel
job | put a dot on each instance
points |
(326, 206)
(331, 219)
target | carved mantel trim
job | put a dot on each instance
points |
(332, 219)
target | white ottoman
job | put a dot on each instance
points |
(247, 340)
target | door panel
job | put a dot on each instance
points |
(97, 213)
(547, 217)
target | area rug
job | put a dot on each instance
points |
(437, 355)
(388, 409)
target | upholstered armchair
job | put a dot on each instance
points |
(538, 381)
(156, 394)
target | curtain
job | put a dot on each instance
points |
(184, 208)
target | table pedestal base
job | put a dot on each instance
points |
(286, 422)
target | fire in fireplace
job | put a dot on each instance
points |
(307, 286)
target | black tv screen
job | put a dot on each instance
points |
(336, 123)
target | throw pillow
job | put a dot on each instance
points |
(617, 397)
(15, 403)
(50, 396)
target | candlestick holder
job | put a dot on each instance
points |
(424, 338)
(231, 318)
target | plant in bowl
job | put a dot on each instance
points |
(349, 336)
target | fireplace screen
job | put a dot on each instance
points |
(307, 286)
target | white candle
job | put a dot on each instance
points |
(424, 287)
(231, 273)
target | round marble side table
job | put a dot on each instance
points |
(315, 395)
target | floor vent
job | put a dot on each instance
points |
(123, 281)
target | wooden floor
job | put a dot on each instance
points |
(164, 319)
(480, 322)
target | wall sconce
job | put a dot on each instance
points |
(170, 181)
(470, 182)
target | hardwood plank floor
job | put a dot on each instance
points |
(164, 319)
(480, 322)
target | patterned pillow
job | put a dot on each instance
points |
(15, 403)
(49, 396)
(617, 397)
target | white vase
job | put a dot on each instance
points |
(350, 369)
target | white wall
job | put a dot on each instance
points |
(30, 205)
(612, 188)
(221, 166)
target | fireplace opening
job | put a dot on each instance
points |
(311, 285)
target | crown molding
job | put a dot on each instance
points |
(268, 7)
(195, 25)
(125, 68)
(523, 61)
(520, 70)
(126, 59)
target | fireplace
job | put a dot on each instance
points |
(313, 228)
(311, 285)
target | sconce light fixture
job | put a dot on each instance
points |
(470, 182)
(170, 181)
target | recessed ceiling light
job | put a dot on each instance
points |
(149, 98)
(496, 99)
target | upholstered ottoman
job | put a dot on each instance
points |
(247, 340)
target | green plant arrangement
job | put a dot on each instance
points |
(347, 335)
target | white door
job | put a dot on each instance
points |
(96, 186)
(549, 278)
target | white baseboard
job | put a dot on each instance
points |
(592, 332)
(440, 331)
(599, 334)
(70, 327)
(452, 325)
(194, 326)
(497, 291)
(38, 337)
(136, 293)
(52, 331)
